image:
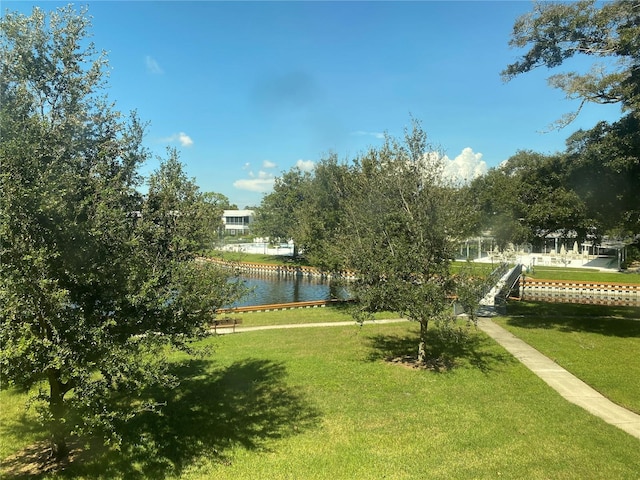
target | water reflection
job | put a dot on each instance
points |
(281, 288)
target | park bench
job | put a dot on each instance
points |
(226, 322)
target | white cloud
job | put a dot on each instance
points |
(465, 167)
(268, 164)
(263, 182)
(362, 133)
(184, 139)
(305, 165)
(153, 66)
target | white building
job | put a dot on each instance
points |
(237, 222)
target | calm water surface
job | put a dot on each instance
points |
(269, 289)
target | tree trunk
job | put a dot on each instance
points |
(59, 448)
(422, 348)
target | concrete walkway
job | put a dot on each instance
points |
(240, 328)
(567, 385)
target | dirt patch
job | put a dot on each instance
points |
(434, 364)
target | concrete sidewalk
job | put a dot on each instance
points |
(566, 384)
(239, 328)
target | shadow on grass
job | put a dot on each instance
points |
(606, 320)
(246, 405)
(614, 327)
(21, 426)
(444, 352)
(550, 309)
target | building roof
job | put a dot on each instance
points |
(237, 213)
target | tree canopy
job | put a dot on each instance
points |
(593, 185)
(276, 217)
(603, 169)
(95, 278)
(554, 32)
(400, 220)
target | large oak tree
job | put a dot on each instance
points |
(607, 32)
(96, 279)
(602, 164)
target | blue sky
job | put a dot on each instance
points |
(247, 90)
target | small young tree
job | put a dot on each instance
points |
(400, 220)
(95, 279)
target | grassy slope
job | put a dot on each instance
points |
(285, 260)
(583, 274)
(323, 404)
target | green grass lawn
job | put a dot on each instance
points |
(583, 274)
(599, 344)
(473, 268)
(326, 404)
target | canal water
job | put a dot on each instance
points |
(281, 288)
(268, 288)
